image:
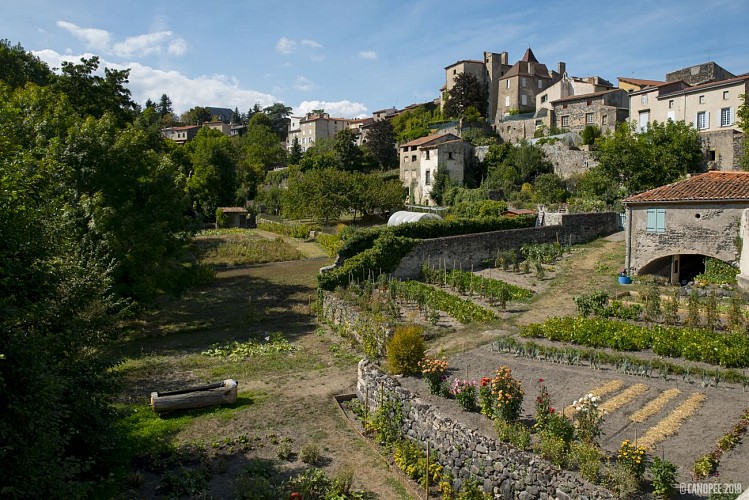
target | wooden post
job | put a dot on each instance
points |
(426, 487)
(366, 409)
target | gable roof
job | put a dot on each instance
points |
(640, 82)
(711, 186)
(586, 96)
(429, 138)
(708, 85)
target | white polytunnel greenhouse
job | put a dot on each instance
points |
(403, 217)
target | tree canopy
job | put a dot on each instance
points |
(381, 143)
(467, 92)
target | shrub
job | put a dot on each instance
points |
(405, 349)
(412, 460)
(560, 427)
(312, 483)
(310, 453)
(465, 392)
(553, 449)
(286, 229)
(283, 451)
(588, 459)
(633, 458)
(663, 474)
(543, 406)
(588, 419)
(330, 242)
(620, 479)
(508, 394)
(514, 433)
(433, 371)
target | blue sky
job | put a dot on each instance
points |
(353, 57)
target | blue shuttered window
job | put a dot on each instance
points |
(656, 220)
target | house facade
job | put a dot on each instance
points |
(669, 230)
(709, 106)
(180, 135)
(313, 127)
(421, 159)
(601, 109)
(519, 86)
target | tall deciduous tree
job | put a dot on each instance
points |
(261, 150)
(348, 152)
(213, 182)
(279, 119)
(196, 116)
(467, 92)
(660, 155)
(381, 142)
(18, 66)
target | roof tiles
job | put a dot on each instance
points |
(710, 186)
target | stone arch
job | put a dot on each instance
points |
(679, 266)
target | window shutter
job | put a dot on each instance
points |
(660, 220)
(651, 220)
(707, 119)
(730, 117)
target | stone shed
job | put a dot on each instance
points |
(670, 230)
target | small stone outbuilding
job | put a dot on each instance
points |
(669, 230)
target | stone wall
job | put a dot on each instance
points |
(473, 249)
(728, 148)
(351, 323)
(568, 161)
(503, 470)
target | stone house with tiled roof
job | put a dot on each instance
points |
(602, 109)
(669, 230)
(520, 85)
(313, 127)
(706, 96)
(422, 158)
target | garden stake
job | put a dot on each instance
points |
(426, 487)
(366, 408)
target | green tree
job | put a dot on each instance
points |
(381, 142)
(318, 193)
(662, 154)
(440, 185)
(196, 116)
(261, 150)
(549, 188)
(213, 182)
(18, 66)
(321, 155)
(279, 119)
(164, 107)
(414, 123)
(349, 154)
(295, 154)
(467, 92)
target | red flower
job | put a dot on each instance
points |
(551, 410)
(540, 381)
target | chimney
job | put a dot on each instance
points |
(561, 68)
(503, 58)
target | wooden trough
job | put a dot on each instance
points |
(195, 397)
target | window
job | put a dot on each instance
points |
(508, 83)
(605, 120)
(702, 99)
(524, 100)
(544, 98)
(450, 155)
(564, 106)
(711, 155)
(644, 99)
(565, 121)
(656, 220)
(428, 179)
(540, 84)
(413, 157)
(725, 117)
(670, 104)
(522, 81)
(725, 95)
(507, 101)
(588, 118)
(588, 102)
(644, 120)
(701, 120)
(427, 157)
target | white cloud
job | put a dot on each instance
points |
(344, 109)
(141, 44)
(178, 46)
(311, 43)
(317, 58)
(285, 46)
(304, 84)
(367, 54)
(95, 39)
(149, 83)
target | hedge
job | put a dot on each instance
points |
(286, 229)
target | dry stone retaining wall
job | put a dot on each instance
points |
(503, 470)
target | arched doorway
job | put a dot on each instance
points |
(678, 268)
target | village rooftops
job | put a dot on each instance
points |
(639, 82)
(708, 187)
(426, 140)
(583, 97)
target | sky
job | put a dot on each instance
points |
(354, 57)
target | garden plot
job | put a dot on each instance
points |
(678, 420)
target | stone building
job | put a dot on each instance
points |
(669, 230)
(487, 71)
(710, 106)
(520, 85)
(313, 127)
(421, 159)
(603, 109)
(180, 135)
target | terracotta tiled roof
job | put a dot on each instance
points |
(638, 81)
(585, 96)
(711, 186)
(435, 146)
(708, 85)
(426, 140)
